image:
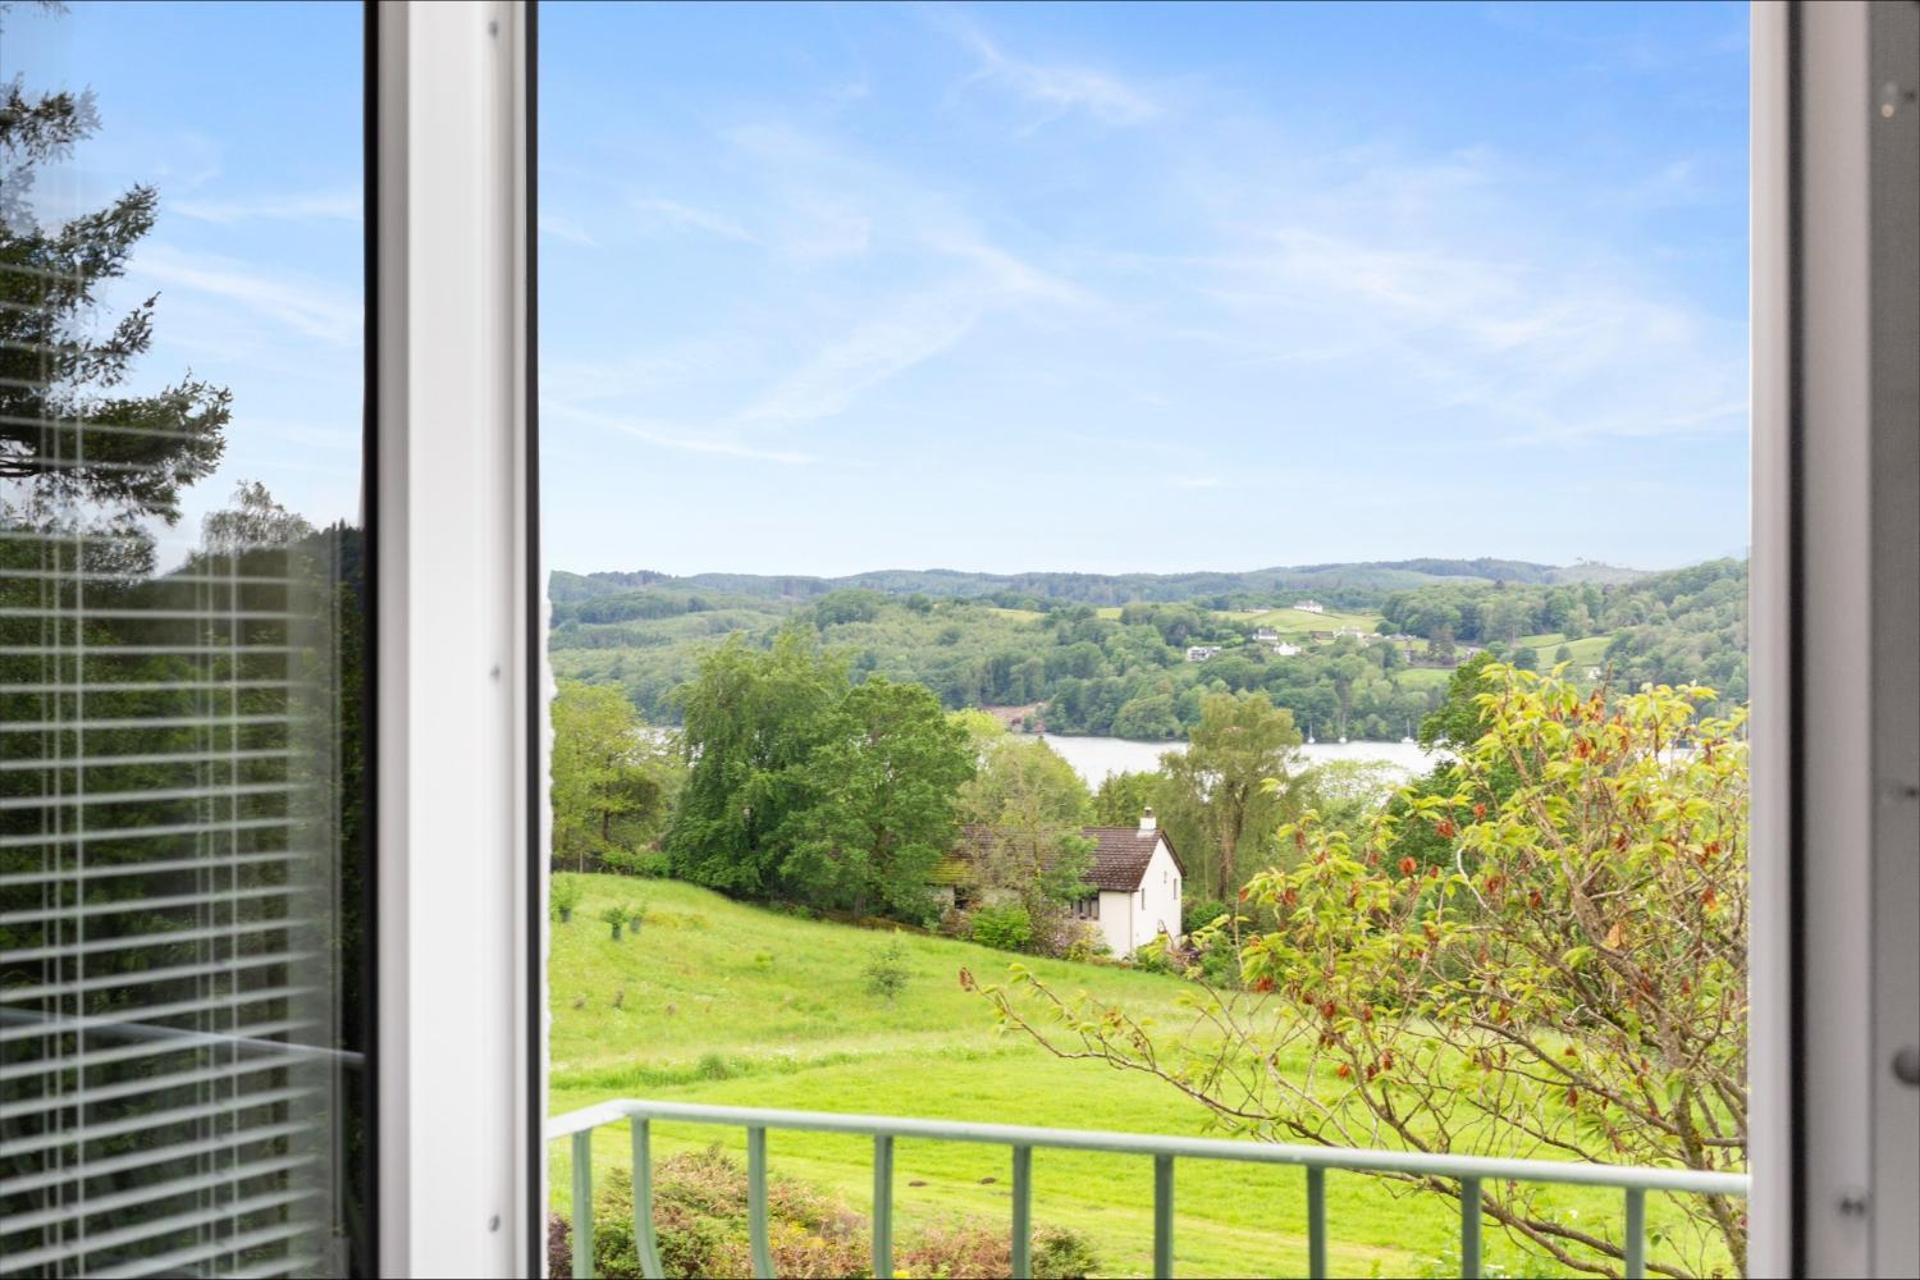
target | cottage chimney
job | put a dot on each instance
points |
(1148, 823)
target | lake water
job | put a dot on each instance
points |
(1095, 758)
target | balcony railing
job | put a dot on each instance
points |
(1471, 1172)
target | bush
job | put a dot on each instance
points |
(616, 918)
(1153, 958)
(1085, 943)
(564, 894)
(700, 1224)
(1198, 913)
(1007, 928)
(637, 916)
(650, 864)
(887, 971)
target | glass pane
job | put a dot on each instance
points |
(1174, 569)
(184, 886)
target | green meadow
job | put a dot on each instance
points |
(715, 1001)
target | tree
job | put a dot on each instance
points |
(1030, 806)
(881, 786)
(1123, 797)
(752, 717)
(1574, 987)
(1231, 787)
(606, 770)
(60, 370)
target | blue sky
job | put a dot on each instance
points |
(1097, 288)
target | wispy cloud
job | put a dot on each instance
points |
(560, 227)
(1058, 87)
(314, 309)
(311, 206)
(677, 437)
(672, 213)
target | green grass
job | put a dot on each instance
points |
(1422, 677)
(1294, 622)
(724, 1003)
(1588, 651)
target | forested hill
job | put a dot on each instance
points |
(1369, 662)
(1360, 584)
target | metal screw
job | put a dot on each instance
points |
(1853, 1203)
(493, 1223)
(1906, 1066)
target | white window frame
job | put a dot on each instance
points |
(459, 653)
(1834, 1136)
(460, 738)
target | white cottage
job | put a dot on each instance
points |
(1136, 880)
(1137, 877)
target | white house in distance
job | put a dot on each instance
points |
(1309, 606)
(1202, 652)
(1137, 877)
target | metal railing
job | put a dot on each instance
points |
(1471, 1172)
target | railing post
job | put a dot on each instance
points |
(1470, 1228)
(1163, 1217)
(1636, 1234)
(643, 1238)
(882, 1207)
(1316, 1222)
(757, 1203)
(583, 1205)
(1023, 1213)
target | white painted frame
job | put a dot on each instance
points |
(457, 1066)
(1836, 479)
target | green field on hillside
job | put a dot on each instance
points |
(719, 1002)
(1588, 651)
(1297, 622)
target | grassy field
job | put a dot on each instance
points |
(1295, 622)
(1588, 651)
(724, 1003)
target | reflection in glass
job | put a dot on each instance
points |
(181, 899)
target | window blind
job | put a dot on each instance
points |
(183, 893)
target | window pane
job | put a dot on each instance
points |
(184, 897)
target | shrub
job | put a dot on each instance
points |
(700, 1224)
(648, 863)
(1007, 927)
(887, 971)
(564, 894)
(1198, 913)
(615, 917)
(1085, 943)
(1153, 958)
(637, 916)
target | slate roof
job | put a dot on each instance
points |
(1120, 855)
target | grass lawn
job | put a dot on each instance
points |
(1294, 622)
(719, 1002)
(1422, 677)
(1588, 651)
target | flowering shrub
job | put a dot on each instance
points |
(1573, 985)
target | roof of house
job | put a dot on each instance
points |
(1120, 855)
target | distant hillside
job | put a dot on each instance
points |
(1360, 584)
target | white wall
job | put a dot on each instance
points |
(1128, 923)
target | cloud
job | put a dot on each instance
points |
(1197, 482)
(679, 438)
(1059, 88)
(319, 311)
(313, 206)
(875, 350)
(560, 227)
(1453, 277)
(672, 213)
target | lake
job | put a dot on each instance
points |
(1095, 758)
